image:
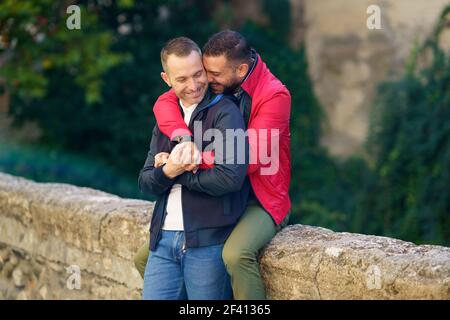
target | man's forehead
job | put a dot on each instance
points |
(215, 63)
(176, 64)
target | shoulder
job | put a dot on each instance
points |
(267, 86)
(227, 105)
(227, 102)
(226, 113)
(272, 92)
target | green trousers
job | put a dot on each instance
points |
(240, 254)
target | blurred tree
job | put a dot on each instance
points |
(35, 40)
(116, 128)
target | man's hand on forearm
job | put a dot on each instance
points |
(184, 157)
(161, 158)
(190, 156)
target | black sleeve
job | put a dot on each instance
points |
(152, 180)
(230, 160)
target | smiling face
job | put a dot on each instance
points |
(187, 77)
(223, 75)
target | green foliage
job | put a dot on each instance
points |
(410, 136)
(35, 40)
(280, 18)
(118, 128)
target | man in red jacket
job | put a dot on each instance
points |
(234, 67)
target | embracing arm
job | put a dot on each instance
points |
(168, 115)
(230, 166)
(171, 123)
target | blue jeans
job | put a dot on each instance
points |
(194, 273)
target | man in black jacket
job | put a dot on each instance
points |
(195, 211)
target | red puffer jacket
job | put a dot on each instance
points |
(269, 135)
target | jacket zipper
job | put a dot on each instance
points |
(193, 117)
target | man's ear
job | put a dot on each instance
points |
(165, 78)
(242, 70)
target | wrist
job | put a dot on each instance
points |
(168, 172)
(181, 139)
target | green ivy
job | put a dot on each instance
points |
(410, 136)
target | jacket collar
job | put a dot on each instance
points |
(205, 101)
(209, 100)
(251, 80)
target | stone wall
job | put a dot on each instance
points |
(49, 232)
(46, 228)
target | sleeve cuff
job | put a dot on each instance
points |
(162, 178)
(183, 179)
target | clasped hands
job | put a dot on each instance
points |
(184, 157)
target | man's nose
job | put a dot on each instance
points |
(192, 85)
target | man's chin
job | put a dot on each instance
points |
(216, 90)
(196, 100)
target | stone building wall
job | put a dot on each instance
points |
(347, 60)
(59, 241)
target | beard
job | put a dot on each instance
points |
(229, 88)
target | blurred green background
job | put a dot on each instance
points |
(90, 92)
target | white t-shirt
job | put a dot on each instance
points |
(174, 218)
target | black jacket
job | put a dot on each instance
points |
(212, 199)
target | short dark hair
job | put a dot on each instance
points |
(181, 47)
(230, 43)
